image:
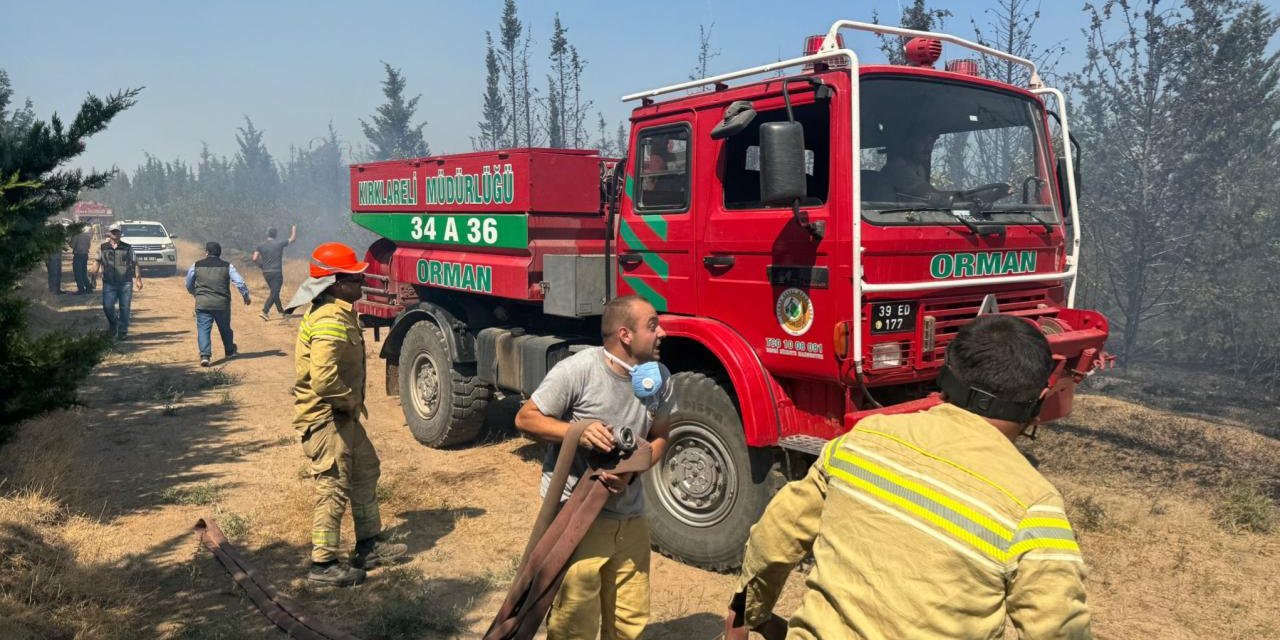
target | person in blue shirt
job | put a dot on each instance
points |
(210, 280)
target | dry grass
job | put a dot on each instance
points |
(56, 578)
(1174, 507)
(52, 585)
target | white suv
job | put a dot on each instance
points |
(152, 244)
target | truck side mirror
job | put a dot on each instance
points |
(782, 176)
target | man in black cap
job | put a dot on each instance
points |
(210, 280)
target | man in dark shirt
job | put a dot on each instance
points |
(269, 256)
(80, 246)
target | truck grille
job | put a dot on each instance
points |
(951, 313)
(148, 247)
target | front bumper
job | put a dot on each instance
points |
(1076, 337)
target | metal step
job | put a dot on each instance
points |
(804, 444)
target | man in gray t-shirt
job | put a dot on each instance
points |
(608, 576)
(270, 257)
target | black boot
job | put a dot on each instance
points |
(334, 574)
(374, 552)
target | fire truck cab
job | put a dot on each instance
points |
(812, 239)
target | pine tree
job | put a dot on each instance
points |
(254, 178)
(532, 137)
(493, 125)
(40, 374)
(621, 139)
(577, 118)
(557, 122)
(603, 144)
(510, 29)
(390, 130)
(555, 135)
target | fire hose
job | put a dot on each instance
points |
(280, 609)
(556, 534)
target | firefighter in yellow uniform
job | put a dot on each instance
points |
(328, 405)
(929, 525)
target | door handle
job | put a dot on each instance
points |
(718, 262)
(630, 259)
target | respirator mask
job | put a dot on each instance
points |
(646, 377)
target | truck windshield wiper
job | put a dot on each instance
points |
(1048, 226)
(963, 219)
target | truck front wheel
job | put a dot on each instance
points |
(443, 402)
(710, 487)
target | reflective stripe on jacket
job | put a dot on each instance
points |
(329, 363)
(928, 525)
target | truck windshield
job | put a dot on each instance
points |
(933, 148)
(142, 231)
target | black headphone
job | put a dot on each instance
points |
(984, 403)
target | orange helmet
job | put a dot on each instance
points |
(335, 257)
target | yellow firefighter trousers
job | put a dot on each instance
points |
(606, 588)
(346, 469)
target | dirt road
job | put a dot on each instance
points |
(100, 502)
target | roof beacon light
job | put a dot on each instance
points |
(922, 52)
(813, 44)
(965, 66)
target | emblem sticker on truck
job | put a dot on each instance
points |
(984, 263)
(794, 310)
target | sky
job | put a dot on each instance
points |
(294, 67)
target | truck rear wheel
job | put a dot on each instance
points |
(443, 402)
(710, 486)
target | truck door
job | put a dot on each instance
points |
(655, 230)
(759, 270)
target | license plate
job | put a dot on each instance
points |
(148, 258)
(893, 317)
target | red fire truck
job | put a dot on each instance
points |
(813, 239)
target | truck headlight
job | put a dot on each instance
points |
(886, 355)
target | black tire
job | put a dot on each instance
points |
(710, 486)
(442, 402)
